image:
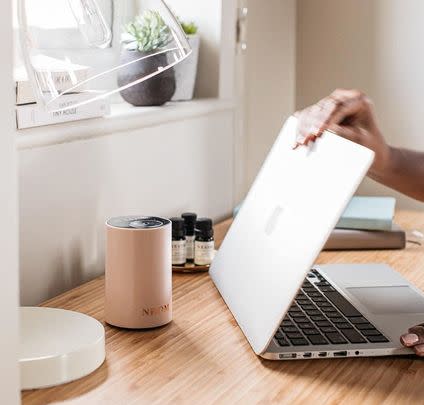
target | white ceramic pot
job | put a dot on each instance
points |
(186, 72)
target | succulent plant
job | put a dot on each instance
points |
(189, 28)
(146, 33)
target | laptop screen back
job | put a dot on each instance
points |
(286, 218)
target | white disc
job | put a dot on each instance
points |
(58, 346)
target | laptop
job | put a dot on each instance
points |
(287, 307)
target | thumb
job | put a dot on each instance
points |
(415, 336)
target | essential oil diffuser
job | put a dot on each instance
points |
(138, 272)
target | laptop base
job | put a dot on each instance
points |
(328, 354)
(326, 321)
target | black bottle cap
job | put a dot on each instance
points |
(178, 227)
(204, 227)
(190, 222)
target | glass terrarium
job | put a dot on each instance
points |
(79, 51)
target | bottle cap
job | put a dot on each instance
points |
(178, 227)
(204, 227)
(190, 222)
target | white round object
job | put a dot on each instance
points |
(58, 346)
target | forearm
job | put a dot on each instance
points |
(404, 172)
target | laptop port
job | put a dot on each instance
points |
(340, 354)
(287, 355)
(322, 354)
(307, 355)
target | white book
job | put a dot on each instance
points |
(34, 115)
(24, 93)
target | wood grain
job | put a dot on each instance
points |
(203, 358)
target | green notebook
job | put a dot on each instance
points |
(368, 213)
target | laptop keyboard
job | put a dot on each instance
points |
(320, 315)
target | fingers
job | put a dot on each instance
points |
(300, 141)
(410, 339)
(338, 107)
(419, 350)
(418, 330)
(414, 336)
(341, 108)
(414, 339)
(350, 104)
(351, 133)
(310, 124)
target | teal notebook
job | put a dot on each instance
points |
(368, 213)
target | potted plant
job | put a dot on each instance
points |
(186, 71)
(143, 40)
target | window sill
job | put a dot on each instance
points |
(123, 117)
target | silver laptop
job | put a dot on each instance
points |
(287, 307)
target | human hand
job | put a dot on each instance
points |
(414, 339)
(350, 114)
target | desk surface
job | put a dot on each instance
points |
(202, 357)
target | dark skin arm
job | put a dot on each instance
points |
(350, 114)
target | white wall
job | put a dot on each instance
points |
(207, 15)
(9, 340)
(270, 75)
(67, 191)
(372, 45)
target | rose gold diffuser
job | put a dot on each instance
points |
(138, 272)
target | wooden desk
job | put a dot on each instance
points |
(203, 358)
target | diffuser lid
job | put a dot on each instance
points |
(138, 222)
(95, 48)
(58, 346)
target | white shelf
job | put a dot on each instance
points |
(124, 117)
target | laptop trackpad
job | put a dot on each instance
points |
(389, 300)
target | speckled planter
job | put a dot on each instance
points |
(186, 72)
(155, 91)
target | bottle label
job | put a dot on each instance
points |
(190, 247)
(178, 252)
(204, 252)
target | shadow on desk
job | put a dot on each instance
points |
(371, 379)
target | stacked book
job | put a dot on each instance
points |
(30, 114)
(367, 223)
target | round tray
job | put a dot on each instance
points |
(190, 268)
(58, 346)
